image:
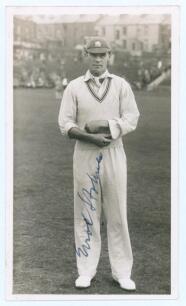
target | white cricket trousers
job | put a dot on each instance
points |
(100, 182)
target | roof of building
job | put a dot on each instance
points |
(48, 19)
(103, 20)
(109, 20)
(88, 18)
(134, 19)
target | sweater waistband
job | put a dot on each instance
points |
(84, 146)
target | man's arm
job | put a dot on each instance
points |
(68, 125)
(100, 140)
(129, 114)
(122, 125)
(68, 110)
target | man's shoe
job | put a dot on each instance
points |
(126, 283)
(83, 282)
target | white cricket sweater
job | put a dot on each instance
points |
(81, 104)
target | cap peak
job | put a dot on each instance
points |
(97, 45)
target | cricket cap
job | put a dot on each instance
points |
(97, 45)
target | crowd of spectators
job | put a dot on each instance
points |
(145, 75)
(53, 72)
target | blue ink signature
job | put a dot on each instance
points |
(87, 196)
(86, 245)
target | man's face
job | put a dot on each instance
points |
(97, 62)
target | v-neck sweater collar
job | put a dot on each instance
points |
(89, 76)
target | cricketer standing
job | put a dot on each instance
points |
(97, 109)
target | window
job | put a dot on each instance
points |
(75, 32)
(58, 33)
(133, 46)
(146, 30)
(117, 34)
(27, 33)
(124, 30)
(146, 44)
(103, 31)
(124, 44)
(18, 30)
(141, 46)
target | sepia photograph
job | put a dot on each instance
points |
(90, 209)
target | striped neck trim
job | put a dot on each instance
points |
(100, 99)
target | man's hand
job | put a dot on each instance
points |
(97, 126)
(101, 140)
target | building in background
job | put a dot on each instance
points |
(131, 33)
(136, 33)
(70, 30)
(25, 41)
(24, 29)
(48, 47)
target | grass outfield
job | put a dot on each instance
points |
(44, 258)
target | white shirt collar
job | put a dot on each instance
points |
(89, 75)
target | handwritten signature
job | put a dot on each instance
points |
(87, 196)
